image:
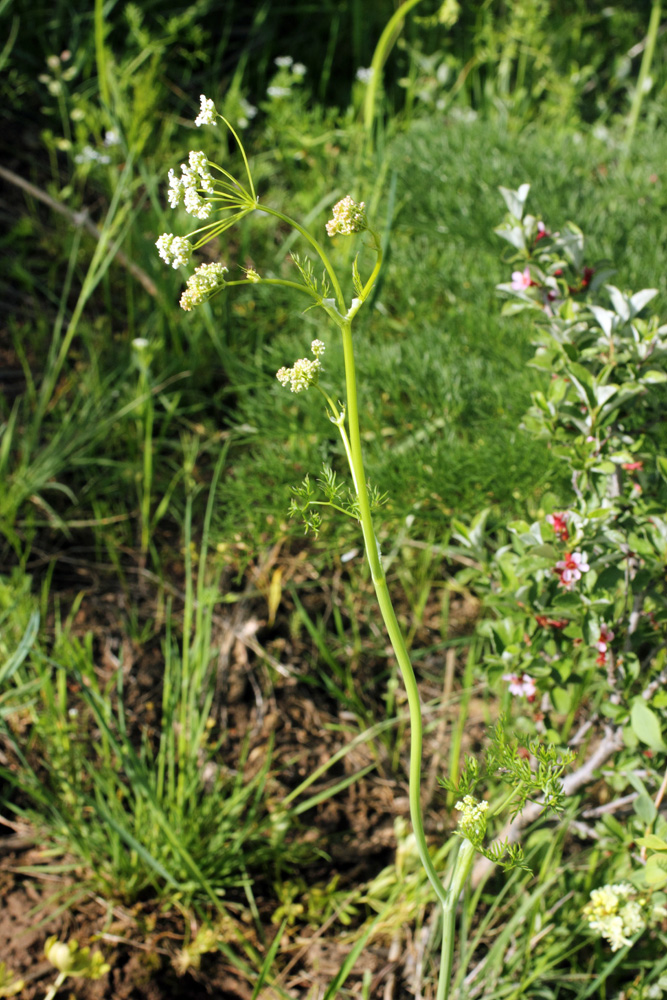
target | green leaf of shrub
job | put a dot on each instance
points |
(646, 725)
(655, 872)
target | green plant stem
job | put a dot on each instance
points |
(462, 868)
(382, 50)
(100, 53)
(276, 281)
(147, 415)
(55, 986)
(644, 70)
(388, 614)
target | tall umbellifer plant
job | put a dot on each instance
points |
(219, 200)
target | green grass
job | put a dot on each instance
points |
(444, 381)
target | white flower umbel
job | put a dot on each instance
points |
(303, 372)
(614, 914)
(207, 113)
(472, 823)
(348, 217)
(196, 205)
(278, 92)
(174, 250)
(194, 178)
(301, 375)
(199, 164)
(207, 279)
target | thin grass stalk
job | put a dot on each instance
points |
(644, 70)
(185, 679)
(382, 49)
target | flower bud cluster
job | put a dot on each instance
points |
(472, 823)
(207, 278)
(348, 217)
(303, 372)
(174, 250)
(615, 914)
(194, 177)
(207, 113)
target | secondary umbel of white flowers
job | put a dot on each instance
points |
(194, 177)
(472, 823)
(174, 250)
(303, 372)
(207, 113)
(614, 914)
(207, 279)
(348, 217)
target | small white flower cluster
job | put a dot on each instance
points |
(348, 217)
(304, 372)
(174, 250)
(286, 62)
(90, 155)
(248, 112)
(615, 914)
(207, 113)
(186, 187)
(207, 278)
(473, 817)
(275, 91)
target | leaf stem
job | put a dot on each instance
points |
(316, 246)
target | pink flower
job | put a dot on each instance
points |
(632, 466)
(542, 231)
(558, 521)
(606, 635)
(521, 280)
(571, 568)
(521, 685)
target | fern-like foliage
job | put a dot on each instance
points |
(305, 267)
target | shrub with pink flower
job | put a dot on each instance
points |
(521, 280)
(606, 635)
(519, 686)
(571, 568)
(558, 521)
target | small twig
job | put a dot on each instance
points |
(582, 730)
(583, 830)
(661, 792)
(80, 219)
(656, 683)
(610, 807)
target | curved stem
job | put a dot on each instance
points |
(276, 281)
(316, 246)
(382, 50)
(378, 264)
(388, 615)
(243, 154)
